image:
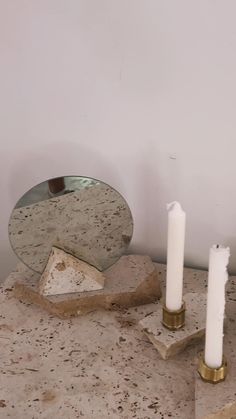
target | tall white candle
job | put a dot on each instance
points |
(175, 256)
(217, 278)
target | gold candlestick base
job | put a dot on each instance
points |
(212, 375)
(173, 320)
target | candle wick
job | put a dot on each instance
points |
(217, 246)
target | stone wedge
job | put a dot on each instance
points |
(66, 274)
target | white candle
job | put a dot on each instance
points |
(175, 256)
(217, 278)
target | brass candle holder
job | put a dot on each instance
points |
(212, 375)
(173, 320)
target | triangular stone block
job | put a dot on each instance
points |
(66, 274)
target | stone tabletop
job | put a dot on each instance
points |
(96, 366)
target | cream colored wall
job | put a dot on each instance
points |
(141, 94)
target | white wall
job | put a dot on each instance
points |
(138, 93)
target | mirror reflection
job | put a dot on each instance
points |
(82, 216)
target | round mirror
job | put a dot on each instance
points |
(82, 216)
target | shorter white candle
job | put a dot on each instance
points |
(175, 256)
(217, 278)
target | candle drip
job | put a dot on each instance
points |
(217, 278)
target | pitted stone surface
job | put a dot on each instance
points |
(169, 343)
(96, 366)
(66, 274)
(133, 280)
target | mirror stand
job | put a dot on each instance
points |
(132, 280)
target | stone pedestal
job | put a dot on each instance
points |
(131, 281)
(169, 343)
(218, 401)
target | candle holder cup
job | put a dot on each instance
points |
(212, 375)
(173, 320)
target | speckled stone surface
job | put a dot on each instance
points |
(133, 280)
(66, 274)
(94, 224)
(96, 366)
(169, 343)
(219, 401)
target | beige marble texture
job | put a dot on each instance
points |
(133, 280)
(95, 366)
(169, 343)
(66, 274)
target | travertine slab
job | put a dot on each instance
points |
(218, 401)
(97, 366)
(133, 280)
(169, 343)
(66, 274)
